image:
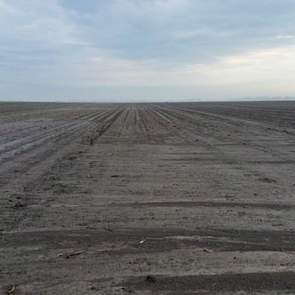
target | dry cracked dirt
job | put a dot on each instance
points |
(184, 198)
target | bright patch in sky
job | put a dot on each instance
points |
(139, 50)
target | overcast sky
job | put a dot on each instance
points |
(140, 50)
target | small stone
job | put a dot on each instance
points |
(150, 279)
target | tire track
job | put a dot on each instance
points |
(33, 174)
(43, 148)
(237, 123)
(216, 283)
(189, 135)
(22, 145)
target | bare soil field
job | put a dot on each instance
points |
(186, 198)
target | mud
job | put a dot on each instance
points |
(190, 198)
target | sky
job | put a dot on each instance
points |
(146, 50)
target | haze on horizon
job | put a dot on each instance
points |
(140, 50)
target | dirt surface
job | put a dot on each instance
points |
(193, 198)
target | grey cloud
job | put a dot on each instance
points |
(194, 31)
(44, 44)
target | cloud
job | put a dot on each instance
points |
(237, 47)
(188, 30)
